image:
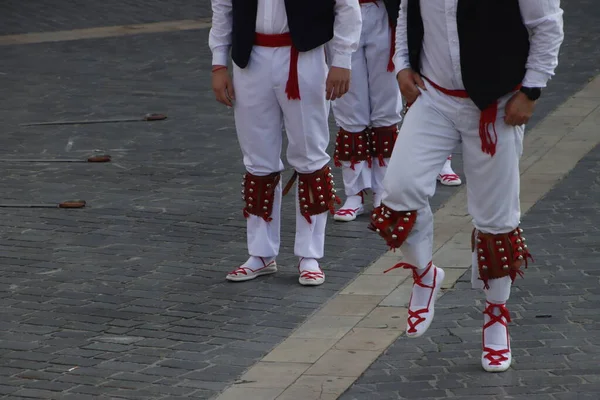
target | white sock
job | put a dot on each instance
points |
(309, 264)
(420, 295)
(447, 168)
(498, 293)
(377, 199)
(255, 263)
(353, 202)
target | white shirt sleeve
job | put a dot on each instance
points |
(219, 38)
(401, 53)
(544, 20)
(346, 33)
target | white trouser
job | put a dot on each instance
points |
(432, 128)
(262, 110)
(373, 99)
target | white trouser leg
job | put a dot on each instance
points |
(493, 188)
(494, 182)
(351, 113)
(384, 95)
(258, 120)
(307, 130)
(426, 138)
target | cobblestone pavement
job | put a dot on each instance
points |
(126, 298)
(556, 325)
(555, 321)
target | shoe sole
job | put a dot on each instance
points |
(455, 183)
(243, 278)
(310, 283)
(494, 368)
(441, 276)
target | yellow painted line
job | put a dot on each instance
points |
(105, 31)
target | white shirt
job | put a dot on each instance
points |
(271, 18)
(440, 58)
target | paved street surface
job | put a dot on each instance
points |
(127, 299)
(555, 319)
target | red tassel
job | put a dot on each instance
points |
(487, 127)
(292, 88)
(391, 65)
(369, 162)
(381, 160)
(246, 213)
(336, 161)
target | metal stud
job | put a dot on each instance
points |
(250, 199)
(516, 233)
(394, 236)
(519, 248)
(347, 153)
(320, 197)
(406, 220)
(520, 258)
(478, 240)
(322, 203)
(482, 258)
(377, 230)
(250, 205)
(252, 182)
(265, 208)
(268, 185)
(480, 251)
(301, 190)
(505, 267)
(318, 179)
(504, 259)
(518, 241)
(525, 246)
(484, 267)
(501, 249)
(266, 201)
(374, 215)
(303, 199)
(408, 214)
(400, 229)
(345, 136)
(305, 206)
(380, 220)
(520, 230)
(251, 190)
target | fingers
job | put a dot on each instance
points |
(224, 92)
(223, 97)
(419, 81)
(336, 89)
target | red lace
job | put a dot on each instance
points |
(347, 211)
(314, 275)
(418, 280)
(242, 269)
(496, 357)
(449, 177)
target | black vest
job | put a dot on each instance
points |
(392, 7)
(494, 46)
(310, 22)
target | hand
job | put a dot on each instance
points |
(518, 109)
(410, 82)
(223, 87)
(338, 83)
